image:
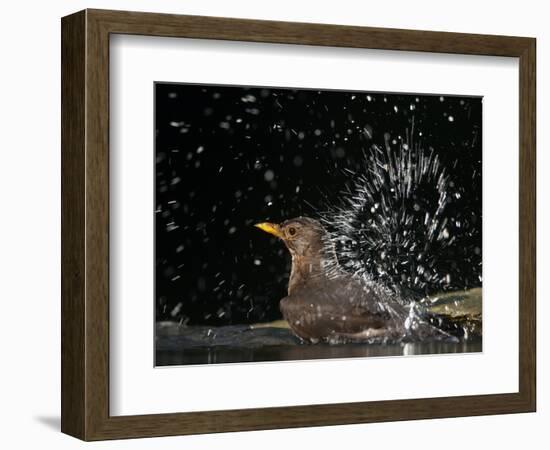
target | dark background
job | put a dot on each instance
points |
(230, 157)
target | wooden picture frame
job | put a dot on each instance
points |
(85, 224)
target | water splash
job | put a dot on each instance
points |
(392, 226)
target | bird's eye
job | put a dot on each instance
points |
(292, 231)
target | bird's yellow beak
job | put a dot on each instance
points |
(271, 228)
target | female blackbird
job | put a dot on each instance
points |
(325, 303)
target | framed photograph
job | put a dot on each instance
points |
(271, 224)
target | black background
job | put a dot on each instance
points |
(230, 157)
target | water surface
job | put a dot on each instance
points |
(231, 344)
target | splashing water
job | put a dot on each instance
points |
(392, 226)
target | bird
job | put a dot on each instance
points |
(324, 303)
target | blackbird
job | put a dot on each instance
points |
(325, 303)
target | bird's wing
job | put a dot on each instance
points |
(359, 305)
(342, 306)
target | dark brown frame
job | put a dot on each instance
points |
(85, 224)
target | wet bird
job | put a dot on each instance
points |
(325, 303)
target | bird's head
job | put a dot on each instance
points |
(302, 236)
